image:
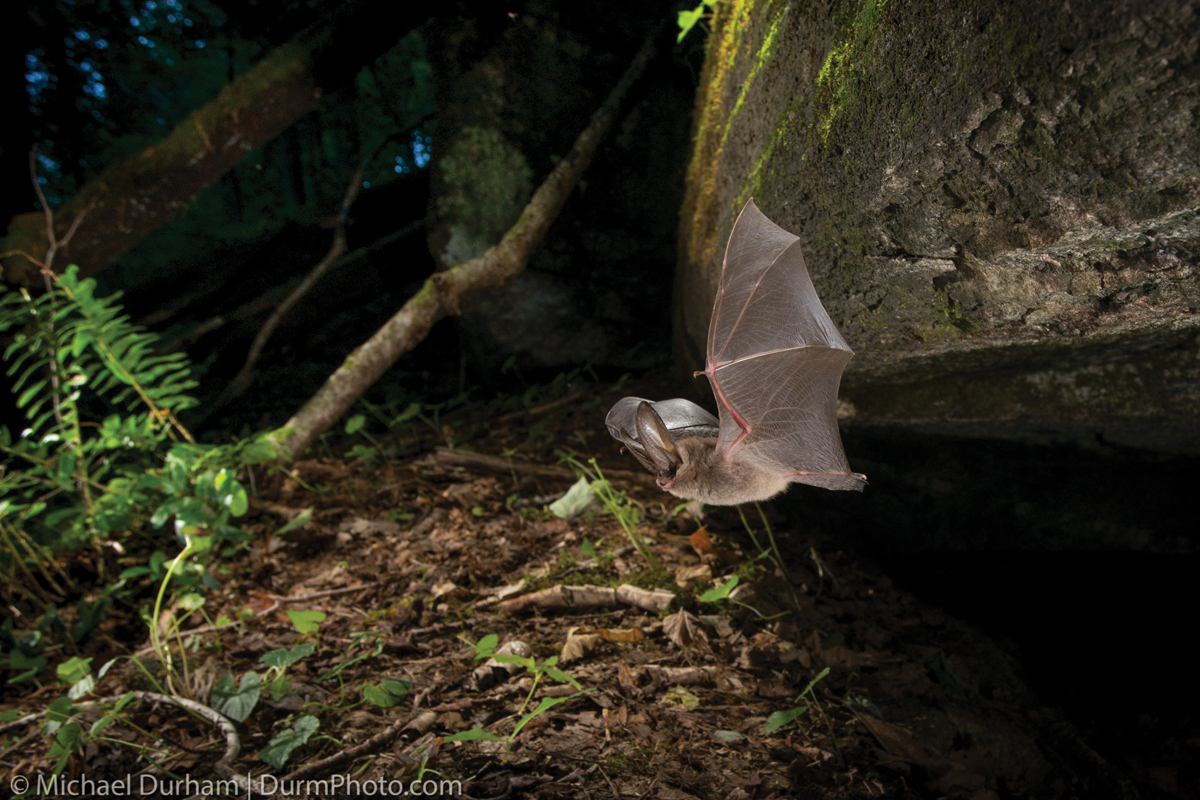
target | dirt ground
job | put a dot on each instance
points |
(416, 559)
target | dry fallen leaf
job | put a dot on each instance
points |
(685, 630)
(582, 641)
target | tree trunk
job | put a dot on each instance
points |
(141, 192)
(998, 204)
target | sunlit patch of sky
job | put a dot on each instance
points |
(37, 78)
(420, 148)
(143, 17)
(418, 154)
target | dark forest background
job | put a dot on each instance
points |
(91, 83)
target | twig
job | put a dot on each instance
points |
(608, 780)
(268, 299)
(372, 745)
(47, 270)
(317, 595)
(506, 466)
(544, 407)
(241, 381)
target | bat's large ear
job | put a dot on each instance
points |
(657, 441)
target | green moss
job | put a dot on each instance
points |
(486, 184)
(839, 83)
(765, 52)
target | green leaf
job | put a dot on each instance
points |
(82, 688)
(66, 742)
(719, 592)
(279, 688)
(386, 693)
(285, 658)
(191, 601)
(24, 665)
(12, 715)
(362, 451)
(411, 411)
(355, 423)
(236, 501)
(511, 658)
(560, 676)
(486, 646)
(780, 718)
(546, 704)
(57, 713)
(298, 521)
(238, 702)
(473, 735)
(74, 669)
(277, 752)
(679, 695)
(306, 621)
(99, 725)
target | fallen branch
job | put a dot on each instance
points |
(566, 597)
(443, 292)
(506, 466)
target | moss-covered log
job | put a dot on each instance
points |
(998, 203)
(141, 192)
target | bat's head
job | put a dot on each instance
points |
(659, 445)
(675, 462)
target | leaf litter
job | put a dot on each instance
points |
(442, 614)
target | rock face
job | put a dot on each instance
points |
(999, 204)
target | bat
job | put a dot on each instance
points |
(774, 362)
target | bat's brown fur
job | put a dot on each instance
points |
(716, 480)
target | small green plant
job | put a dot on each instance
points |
(387, 693)
(720, 592)
(627, 515)
(102, 456)
(780, 718)
(279, 749)
(69, 734)
(354, 425)
(371, 644)
(772, 552)
(238, 699)
(486, 648)
(688, 19)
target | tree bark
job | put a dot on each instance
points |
(443, 292)
(141, 192)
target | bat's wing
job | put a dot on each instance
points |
(682, 419)
(775, 359)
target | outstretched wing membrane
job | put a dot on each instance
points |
(775, 359)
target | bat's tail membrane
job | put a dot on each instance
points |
(842, 481)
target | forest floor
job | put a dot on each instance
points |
(417, 562)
